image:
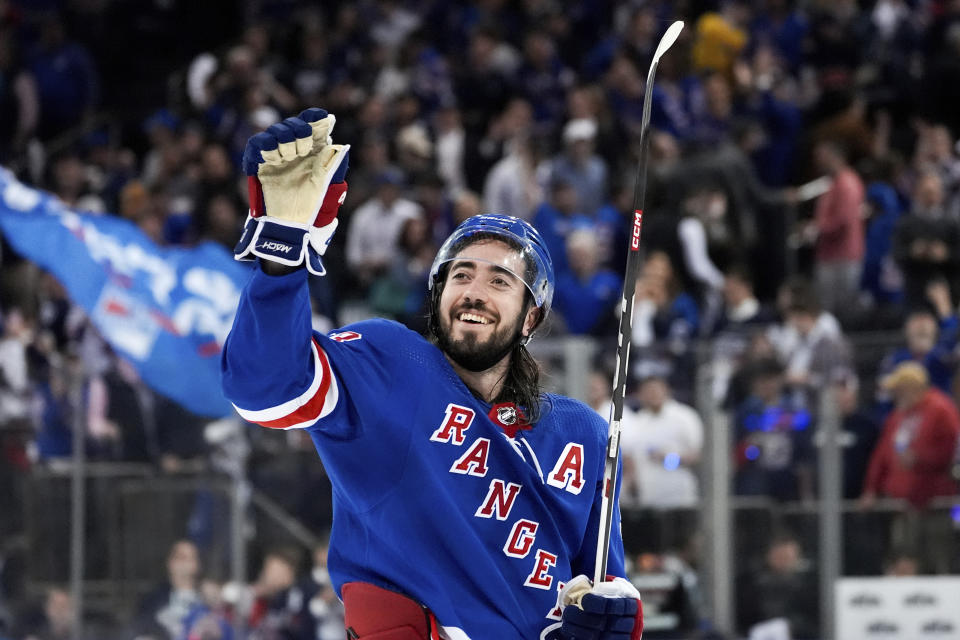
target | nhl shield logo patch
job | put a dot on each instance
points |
(508, 417)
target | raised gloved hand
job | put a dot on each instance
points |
(610, 610)
(296, 183)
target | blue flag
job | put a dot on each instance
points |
(167, 310)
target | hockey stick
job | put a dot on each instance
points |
(626, 316)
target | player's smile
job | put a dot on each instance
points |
(472, 319)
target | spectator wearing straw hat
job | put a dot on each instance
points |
(914, 457)
(913, 462)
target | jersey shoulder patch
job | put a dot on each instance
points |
(383, 344)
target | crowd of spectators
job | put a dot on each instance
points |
(290, 599)
(804, 187)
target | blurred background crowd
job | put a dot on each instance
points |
(801, 237)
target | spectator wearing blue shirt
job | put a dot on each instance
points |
(676, 103)
(613, 222)
(67, 80)
(767, 99)
(556, 218)
(580, 167)
(773, 443)
(623, 86)
(543, 79)
(637, 39)
(428, 72)
(782, 26)
(931, 337)
(484, 80)
(713, 125)
(676, 315)
(586, 294)
(54, 438)
(881, 278)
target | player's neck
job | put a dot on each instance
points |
(487, 383)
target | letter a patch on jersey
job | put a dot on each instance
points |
(568, 472)
(455, 422)
(474, 461)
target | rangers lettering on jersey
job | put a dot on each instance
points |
(521, 538)
(474, 461)
(540, 578)
(499, 500)
(456, 421)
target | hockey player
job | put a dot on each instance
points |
(466, 501)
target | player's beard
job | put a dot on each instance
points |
(478, 354)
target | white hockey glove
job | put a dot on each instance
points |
(296, 183)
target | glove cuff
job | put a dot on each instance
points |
(616, 588)
(320, 236)
(279, 241)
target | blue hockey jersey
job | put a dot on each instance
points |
(431, 497)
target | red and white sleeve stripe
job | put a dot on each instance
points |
(317, 401)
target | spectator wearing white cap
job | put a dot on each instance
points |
(580, 167)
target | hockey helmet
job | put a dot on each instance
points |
(519, 234)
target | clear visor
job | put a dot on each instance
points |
(502, 249)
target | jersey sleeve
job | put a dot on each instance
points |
(272, 368)
(280, 374)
